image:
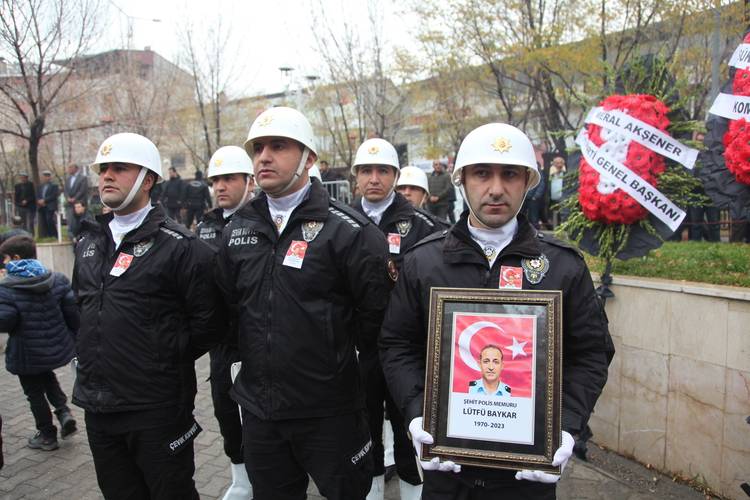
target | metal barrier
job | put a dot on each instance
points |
(339, 190)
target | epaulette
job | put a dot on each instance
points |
(422, 216)
(175, 230)
(507, 389)
(472, 383)
(439, 235)
(347, 214)
(558, 243)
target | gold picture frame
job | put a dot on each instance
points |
(483, 345)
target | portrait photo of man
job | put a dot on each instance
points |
(491, 365)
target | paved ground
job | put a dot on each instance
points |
(68, 473)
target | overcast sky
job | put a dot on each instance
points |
(267, 34)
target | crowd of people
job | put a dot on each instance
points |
(314, 313)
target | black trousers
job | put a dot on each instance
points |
(193, 214)
(174, 213)
(39, 389)
(450, 486)
(377, 394)
(704, 223)
(153, 463)
(336, 451)
(226, 410)
(47, 222)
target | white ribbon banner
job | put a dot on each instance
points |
(741, 56)
(733, 107)
(644, 193)
(643, 133)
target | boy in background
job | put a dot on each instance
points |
(38, 310)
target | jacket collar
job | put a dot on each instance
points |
(460, 246)
(215, 216)
(313, 207)
(155, 218)
(399, 210)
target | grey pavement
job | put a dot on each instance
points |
(68, 473)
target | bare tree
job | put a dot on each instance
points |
(40, 40)
(212, 58)
(356, 68)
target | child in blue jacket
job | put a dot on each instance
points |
(38, 310)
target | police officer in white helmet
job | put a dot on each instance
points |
(412, 184)
(492, 246)
(308, 277)
(376, 169)
(231, 172)
(149, 308)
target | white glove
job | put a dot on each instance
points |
(419, 437)
(561, 457)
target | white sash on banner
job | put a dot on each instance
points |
(741, 56)
(731, 106)
(644, 193)
(643, 133)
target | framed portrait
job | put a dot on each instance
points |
(493, 383)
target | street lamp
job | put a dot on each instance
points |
(130, 22)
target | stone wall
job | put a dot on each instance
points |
(679, 386)
(56, 257)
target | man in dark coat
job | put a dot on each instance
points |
(47, 194)
(25, 201)
(172, 194)
(197, 199)
(491, 247)
(442, 194)
(376, 168)
(231, 172)
(149, 308)
(38, 310)
(76, 189)
(308, 276)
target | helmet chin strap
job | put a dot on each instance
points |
(246, 197)
(133, 191)
(297, 173)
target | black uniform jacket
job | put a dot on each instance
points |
(210, 230)
(453, 259)
(142, 331)
(298, 328)
(411, 224)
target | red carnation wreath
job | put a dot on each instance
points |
(616, 206)
(737, 137)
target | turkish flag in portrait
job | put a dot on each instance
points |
(514, 334)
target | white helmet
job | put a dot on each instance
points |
(376, 152)
(413, 176)
(229, 160)
(281, 122)
(129, 148)
(315, 172)
(497, 143)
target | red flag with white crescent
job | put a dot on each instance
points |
(513, 333)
